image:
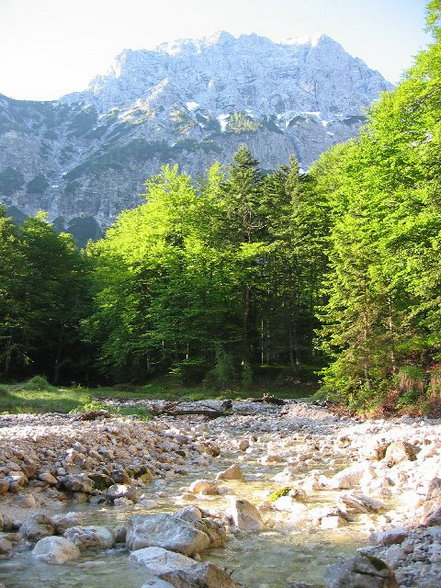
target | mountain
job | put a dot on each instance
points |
(84, 158)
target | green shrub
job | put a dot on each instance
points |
(434, 388)
(3, 392)
(188, 371)
(37, 383)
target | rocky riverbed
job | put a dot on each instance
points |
(267, 496)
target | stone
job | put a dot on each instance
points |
(122, 491)
(210, 449)
(205, 575)
(5, 546)
(155, 583)
(92, 536)
(48, 478)
(358, 503)
(122, 502)
(16, 481)
(4, 486)
(434, 489)
(289, 504)
(204, 487)
(243, 444)
(167, 531)
(348, 477)
(62, 522)
(158, 560)
(399, 451)
(37, 526)
(101, 481)
(432, 519)
(121, 476)
(392, 536)
(245, 516)
(333, 521)
(234, 472)
(120, 534)
(25, 501)
(363, 571)
(55, 550)
(77, 483)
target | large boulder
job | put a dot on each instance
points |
(203, 575)
(77, 483)
(349, 477)
(167, 531)
(399, 451)
(158, 560)
(245, 516)
(55, 550)
(90, 537)
(362, 571)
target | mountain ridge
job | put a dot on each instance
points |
(84, 157)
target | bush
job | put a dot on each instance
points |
(3, 392)
(411, 385)
(188, 371)
(37, 383)
(223, 374)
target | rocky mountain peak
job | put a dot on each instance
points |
(85, 157)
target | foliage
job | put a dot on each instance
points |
(176, 294)
(37, 383)
(241, 122)
(279, 493)
(383, 305)
(43, 294)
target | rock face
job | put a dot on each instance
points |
(84, 158)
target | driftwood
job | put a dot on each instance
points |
(173, 409)
(208, 412)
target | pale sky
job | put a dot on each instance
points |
(49, 48)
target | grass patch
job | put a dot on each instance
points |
(38, 396)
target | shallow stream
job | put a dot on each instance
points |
(288, 551)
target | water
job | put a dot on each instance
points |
(288, 551)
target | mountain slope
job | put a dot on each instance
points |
(84, 157)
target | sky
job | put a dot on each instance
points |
(49, 48)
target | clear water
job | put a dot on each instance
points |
(287, 551)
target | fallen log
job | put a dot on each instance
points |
(208, 412)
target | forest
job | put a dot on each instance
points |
(337, 270)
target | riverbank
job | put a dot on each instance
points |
(343, 484)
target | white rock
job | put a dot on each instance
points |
(245, 516)
(158, 560)
(91, 536)
(55, 550)
(350, 476)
